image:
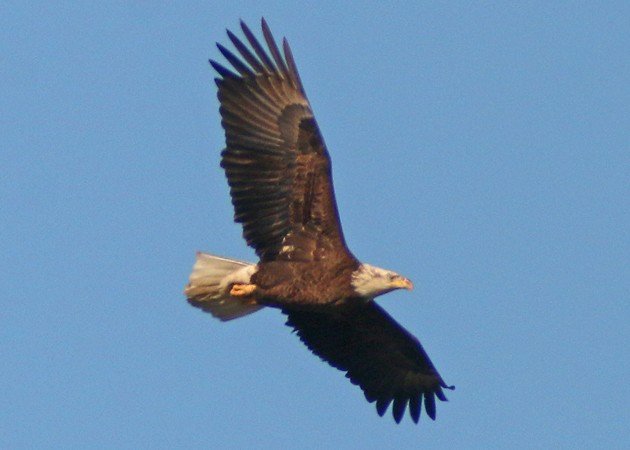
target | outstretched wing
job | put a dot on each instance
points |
(384, 359)
(275, 159)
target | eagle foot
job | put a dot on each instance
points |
(242, 290)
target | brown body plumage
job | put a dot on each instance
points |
(280, 179)
(284, 283)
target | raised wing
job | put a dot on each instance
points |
(377, 354)
(275, 159)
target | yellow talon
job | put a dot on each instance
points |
(242, 290)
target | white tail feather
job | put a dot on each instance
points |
(210, 282)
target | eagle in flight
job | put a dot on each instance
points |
(279, 173)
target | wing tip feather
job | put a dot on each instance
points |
(398, 410)
(223, 71)
(429, 404)
(382, 404)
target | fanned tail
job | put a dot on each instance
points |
(210, 282)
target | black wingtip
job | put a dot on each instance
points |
(231, 35)
(224, 51)
(235, 61)
(225, 73)
(415, 407)
(244, 26)
(382, 405)
(429, 404)
(398, 411)
(267, 65)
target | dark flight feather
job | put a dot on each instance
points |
(262, 54)
(270, 128)
(244, 51)
(380, 356)
(236, 63)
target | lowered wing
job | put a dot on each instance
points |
(377, 354)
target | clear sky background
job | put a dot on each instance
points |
(481, 150)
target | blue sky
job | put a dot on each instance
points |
(482, 150)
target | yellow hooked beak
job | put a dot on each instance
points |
(402, 283)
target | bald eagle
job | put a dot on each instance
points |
(279, 173)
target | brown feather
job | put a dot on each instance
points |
(275, 152)
(357, 331)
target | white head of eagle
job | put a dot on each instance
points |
(370, 281)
